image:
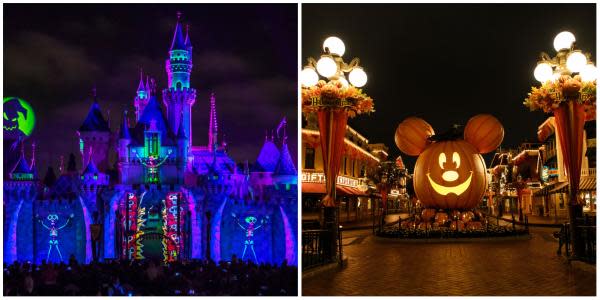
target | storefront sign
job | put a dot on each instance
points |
(314, 177)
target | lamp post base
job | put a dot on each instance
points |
(576, 214)
(330, 223)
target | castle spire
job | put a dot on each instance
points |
(141, 87)
(94, 94)
(178, 40)
(148, 84)
(213, 127)
(188, 42)
(124, 131)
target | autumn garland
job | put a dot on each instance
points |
(551, 94)
(335, 94)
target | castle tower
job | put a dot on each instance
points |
(178, 97)
(182, 152)
(213, 128)
(95, 133)
(141, 98)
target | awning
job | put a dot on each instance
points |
(560, 188)
(319, 188)
(587, 183)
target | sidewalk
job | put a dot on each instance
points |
(535, 220)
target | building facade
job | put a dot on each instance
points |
(356, 191)
(147, 190)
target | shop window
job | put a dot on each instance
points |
(309, 158)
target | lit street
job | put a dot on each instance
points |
(503, 267)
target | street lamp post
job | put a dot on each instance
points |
(333, 100)
(568, 91)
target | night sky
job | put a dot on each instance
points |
(246, 54)
(447, 62)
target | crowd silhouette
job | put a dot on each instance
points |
(150, 278)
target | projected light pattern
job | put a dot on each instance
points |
(19, 119)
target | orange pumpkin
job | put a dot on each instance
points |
(428, 214)
(412, 135)
(455, 214)
(450, 175)
(441, 217)
(460, 224)
(484, 132)
(571, 87)
(467, 216)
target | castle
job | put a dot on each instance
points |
(146, 191)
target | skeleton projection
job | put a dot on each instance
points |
(152, 164)
(53, 232)
(249, 231)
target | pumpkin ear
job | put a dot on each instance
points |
(484, 132)
(412, 136)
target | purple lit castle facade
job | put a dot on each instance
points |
(145, 190)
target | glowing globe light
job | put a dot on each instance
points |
(563, 40)
(589, 72)
(576, 61)
(335, 45)
(556, 76)
(309, 77)
(543, 72)
(358, 77)
(326, 66)
(343, 81)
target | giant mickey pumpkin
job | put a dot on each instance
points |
(450, 173)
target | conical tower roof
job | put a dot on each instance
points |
(153, 116)
(94, 121)
(124, 130)
(268, 156)
(178, 42)
(285, 165)
(91, 168)
(188, 42)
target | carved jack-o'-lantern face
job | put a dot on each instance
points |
(450, 172)
(450, 176)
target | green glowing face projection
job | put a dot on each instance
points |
(19, 119)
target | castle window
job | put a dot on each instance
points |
(178, 85)
(153, 144)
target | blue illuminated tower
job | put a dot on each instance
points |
(141, 97)
(178, 97)
(95, 134)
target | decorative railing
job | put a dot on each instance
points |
(586, 230)
(588, 171)
(315, 250)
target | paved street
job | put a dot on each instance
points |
(515, 267)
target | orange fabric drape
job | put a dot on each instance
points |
(332, 126)
(569, 124)
(383, 189)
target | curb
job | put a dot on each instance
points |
(324, 268)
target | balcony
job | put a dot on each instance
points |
(588, 172)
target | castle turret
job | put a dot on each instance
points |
(182, 150)
(95, 133)
(213, 127)
(179, 97)
(141, 97)
(124, 140)
(21, 171)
